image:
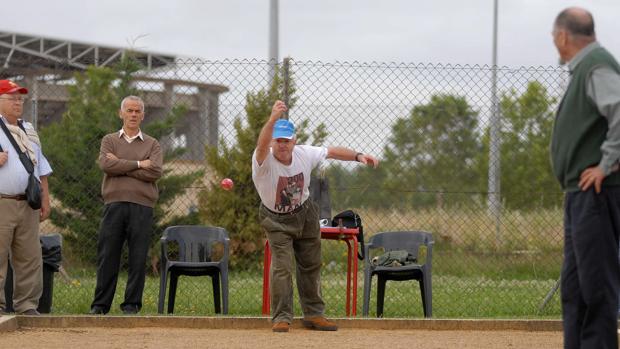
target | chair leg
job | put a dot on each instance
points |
(428, 296)
(423, 294)
(162, 290)
(380, 295)
(224, 281)
(174, 279)
(215, 280)
(367, 284)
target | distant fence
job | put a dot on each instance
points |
(427, 123)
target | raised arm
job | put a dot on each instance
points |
(346, 154)
(264, 138)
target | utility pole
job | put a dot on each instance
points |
(273, 39)
(494, 189)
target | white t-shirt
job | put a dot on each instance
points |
(284, 188)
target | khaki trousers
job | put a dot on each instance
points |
(294, 235)
(19, 238)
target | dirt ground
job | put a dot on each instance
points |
(94, 338)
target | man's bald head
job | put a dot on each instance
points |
(577, 22)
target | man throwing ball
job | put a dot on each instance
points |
(281, 173)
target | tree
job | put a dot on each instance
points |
(434, 150)
(237, 210)
(72, 147)
(527, 181)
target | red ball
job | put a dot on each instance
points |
(227, 184)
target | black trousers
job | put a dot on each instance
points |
(590, 272)
(122, 221)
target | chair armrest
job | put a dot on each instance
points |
(429, 255)
(163, 242)
(367, 247)
(226, 243)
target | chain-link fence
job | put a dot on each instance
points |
(427, 123)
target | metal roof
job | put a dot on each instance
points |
(22, 52)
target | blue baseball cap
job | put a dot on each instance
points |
(283, 129)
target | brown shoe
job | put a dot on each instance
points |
(280, 327)
(320, 323)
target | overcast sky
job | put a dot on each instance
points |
(408, 31)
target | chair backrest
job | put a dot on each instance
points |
(409, 241)
(195, 243)
(319, 193)
(51, 250)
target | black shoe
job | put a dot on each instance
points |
(3, 312)
(97, 310)
(130, 310)
(31, 312)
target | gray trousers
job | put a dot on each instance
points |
(295, 235)
(19, 235)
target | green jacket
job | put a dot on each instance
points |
(579, 129)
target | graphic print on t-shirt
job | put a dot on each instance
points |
(289, 193)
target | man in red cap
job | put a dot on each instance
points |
(19, 223)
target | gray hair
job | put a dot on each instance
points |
(132, 98)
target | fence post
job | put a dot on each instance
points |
(494, 189)
(286, 83)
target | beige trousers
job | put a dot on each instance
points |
(19, 238)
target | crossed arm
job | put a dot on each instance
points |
(147, 170)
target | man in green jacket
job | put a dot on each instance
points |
(585, 149)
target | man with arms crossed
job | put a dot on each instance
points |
(132, 163)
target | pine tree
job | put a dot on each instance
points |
(237, 210)
(72, 147)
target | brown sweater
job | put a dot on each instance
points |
(122, 179)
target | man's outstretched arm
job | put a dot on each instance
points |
(346, 154)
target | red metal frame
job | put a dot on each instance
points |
(329, 233)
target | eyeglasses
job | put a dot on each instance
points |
(15, 99)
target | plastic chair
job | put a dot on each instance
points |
(319, 193)
(51, 250)
(194, 258)
(411, 241)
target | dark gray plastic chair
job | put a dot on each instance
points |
(188, 250)
(51, 251)
(319, 192)
(411, 241)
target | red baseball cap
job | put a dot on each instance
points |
(9, 87)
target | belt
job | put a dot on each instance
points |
(13, 197)
(296, 210)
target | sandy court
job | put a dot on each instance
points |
(93, 338)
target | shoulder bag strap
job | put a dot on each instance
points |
(29, 167)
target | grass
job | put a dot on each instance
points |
(480, 270)
(453, 297)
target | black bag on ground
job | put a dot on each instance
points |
(350, 219)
